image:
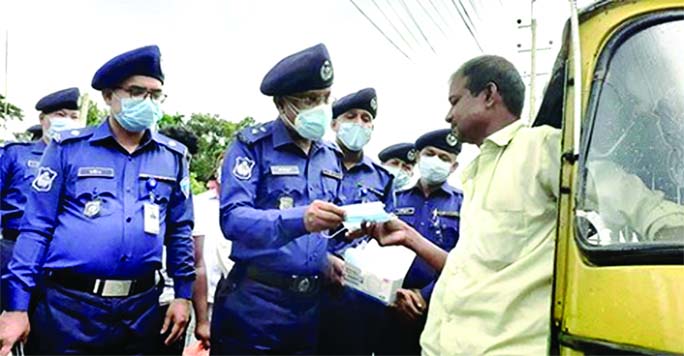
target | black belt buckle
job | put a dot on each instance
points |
(10, 234)
(304, 284)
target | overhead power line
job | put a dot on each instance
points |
(380, 30)
(403, 23)
(418, 26)
(392, 24)
(477, 42)
(432, 19)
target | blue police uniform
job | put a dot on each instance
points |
(17, 171)
(347, 316)
(269, 302)
(437, 218)
(95, 222)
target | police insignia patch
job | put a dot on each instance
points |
(285, 202)
(326, 71)
(92, 208)
(185, 186)
(243, 168)
(451, 140)
(374, 103)
(44, 179)
(411, 155)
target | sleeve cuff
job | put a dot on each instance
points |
(18, 299)
(293, 221)
(426, 292)
(182, 288)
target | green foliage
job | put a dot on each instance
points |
(214, 135)
(95, 115)
(9, 111)
(170, 120)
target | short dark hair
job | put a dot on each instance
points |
(482, 70)
(182, 135)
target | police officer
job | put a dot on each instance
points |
(59, 110)
(277, 184)
(432, 207)
(103, 202)
(36, 132)
(347, 314)
(399, 159)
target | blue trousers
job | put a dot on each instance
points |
(349, 322)
(251, 318)
(66, 321)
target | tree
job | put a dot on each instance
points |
(9, 111)
(95, 114)
(214, 135)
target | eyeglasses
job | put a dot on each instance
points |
(308, 101)
(137, 92)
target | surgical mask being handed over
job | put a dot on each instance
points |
(137, 115)
(354, 136)
(311, 123)
(401, 178)
(433, 169)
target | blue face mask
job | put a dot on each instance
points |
(354, 136)
(311, 123)
(401, 178)
(58, 124)
(137, 115)
(433, 169)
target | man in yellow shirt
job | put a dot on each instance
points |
(494, 293)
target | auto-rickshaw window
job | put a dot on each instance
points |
(631, 185)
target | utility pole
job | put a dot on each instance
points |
(6, 70)
(533, 59)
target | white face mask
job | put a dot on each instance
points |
(433, 169)
(401, 178)
(60, 123)
(311, 123)
(354, 136)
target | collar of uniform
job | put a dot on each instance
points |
(104, 132)
(444, 188)
(366, 163)
(39, 146)
(505, 134)
(282, 137)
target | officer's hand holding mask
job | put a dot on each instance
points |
(321, 215)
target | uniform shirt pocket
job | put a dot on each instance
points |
(96, 195)
(156, 188)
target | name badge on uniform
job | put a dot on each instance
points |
(151, 213)
(404, 211)
(96, 172)
(332, 174)
(32, 163)
(284, 170)
(449, 214)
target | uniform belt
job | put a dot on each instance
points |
(10, 234)
(292, 282)
(103, 287)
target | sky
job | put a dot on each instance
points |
(216, 52)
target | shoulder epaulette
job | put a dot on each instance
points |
(17, 143)
(171, 144)
(252, 134)
(72, 135)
